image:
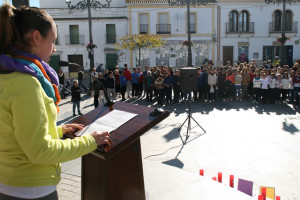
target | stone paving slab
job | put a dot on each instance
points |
(260, 143)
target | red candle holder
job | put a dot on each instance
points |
(260, 197)
(201, 172)
(214, 178)
(264, 192)
(231, 181)
(220, 177)
(277, 197)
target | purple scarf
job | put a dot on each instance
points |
(7, 63)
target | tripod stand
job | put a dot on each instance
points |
(188, 127)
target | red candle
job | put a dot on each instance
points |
(264, 192)
(214, 178)
(231, 181)
(260, 197)
(201, 172)
(277, 197)
(220, 177)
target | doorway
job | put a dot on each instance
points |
(227, 54)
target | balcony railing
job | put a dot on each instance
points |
(74, 39)
(277, 27)
(163, 28)
(111, 38)
(143, 28)
(239, 27)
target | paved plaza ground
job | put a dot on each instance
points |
(259, 143)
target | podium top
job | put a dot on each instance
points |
(128, 132)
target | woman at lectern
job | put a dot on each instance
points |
(30, 148)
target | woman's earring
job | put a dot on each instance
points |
(37, 44)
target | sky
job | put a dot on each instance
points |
(33, 3)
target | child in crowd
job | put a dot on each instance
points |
(256, 88)
(296, 82)
(285, 87)
(278, 89)
(272, 86)
(212, 82)
(237, 85)
(123, 82)
(75, 91)
(264, 88)
(159, 85)
(110, 84)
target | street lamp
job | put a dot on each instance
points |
(283, 36)
(89, 4)
(188, 3)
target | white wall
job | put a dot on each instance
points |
(261, 15)
(66, 17)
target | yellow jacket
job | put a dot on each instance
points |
(30, 148)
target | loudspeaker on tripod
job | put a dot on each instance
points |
(189, 78)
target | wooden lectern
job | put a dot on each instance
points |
(118, 173)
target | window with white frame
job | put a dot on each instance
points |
(144, 26)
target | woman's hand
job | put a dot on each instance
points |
(101, 137)
(71, 128)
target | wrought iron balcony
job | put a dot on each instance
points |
(163, 28)
(277, 27)
(239, 27)
(74, 39)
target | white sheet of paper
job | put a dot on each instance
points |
(109, 122)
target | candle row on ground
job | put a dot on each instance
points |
(231, 179)
(231, 184)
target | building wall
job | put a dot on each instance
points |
(64, 17)
(209, 39)
(261, 15)
(177, 17)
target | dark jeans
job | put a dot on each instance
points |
(76, 103)
(52, 196)
(123, 90)
(135, 89)
(265, 95)
(96, 101)
(160, 98)
(168, 93)
(149, 94)
(277, 94)
(296, 94)
(256, 94)
(176, 91)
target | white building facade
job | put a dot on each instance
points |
(108, 24)
(249, 30)
(223, 30)
(170, 22)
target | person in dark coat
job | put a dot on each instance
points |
(75, 90)
(149, 84)
(176, 86)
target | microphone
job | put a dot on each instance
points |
(109, 103)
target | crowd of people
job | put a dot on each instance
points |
(268, 83)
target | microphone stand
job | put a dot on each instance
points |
(109, 103)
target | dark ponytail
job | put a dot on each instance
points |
(8, 33)
(16, 23)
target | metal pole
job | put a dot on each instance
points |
(190, 61)
(91, 53)
(283, 56)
